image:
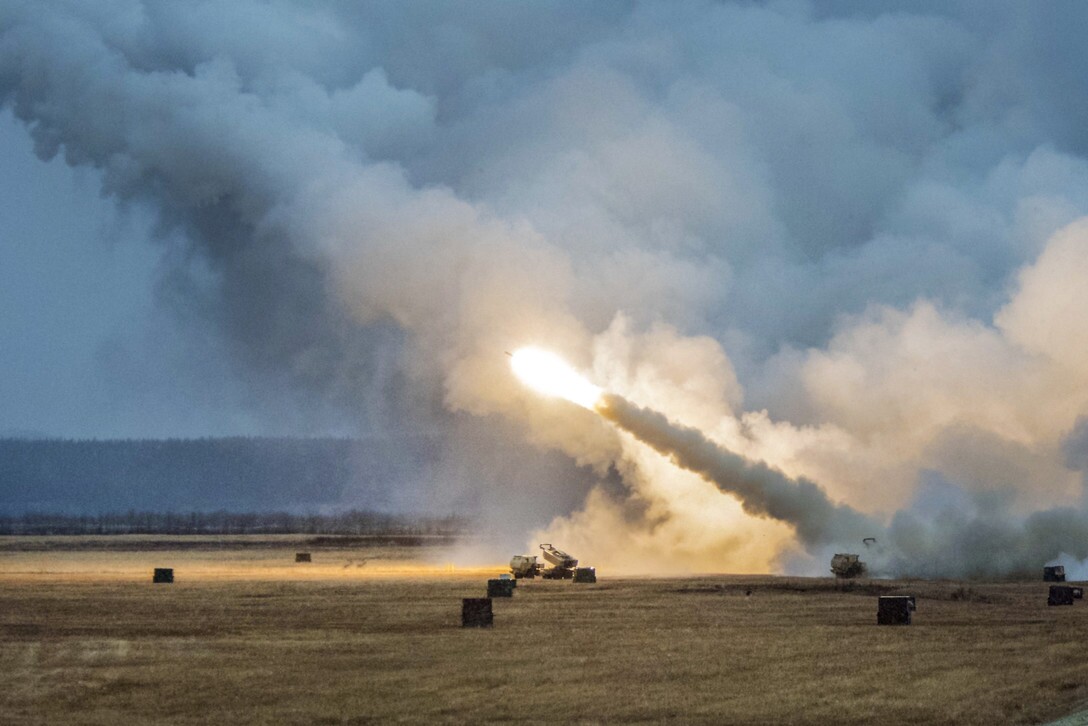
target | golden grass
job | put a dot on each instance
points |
(242, 637)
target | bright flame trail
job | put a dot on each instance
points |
(549, 374)
(762, 491)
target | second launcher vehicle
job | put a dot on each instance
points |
(562, 566)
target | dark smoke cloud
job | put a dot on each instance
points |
(950, 533)
(1075, 446)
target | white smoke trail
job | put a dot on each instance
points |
(762, 490)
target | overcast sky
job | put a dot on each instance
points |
(775, 167)
(84, 344)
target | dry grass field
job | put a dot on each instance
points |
(372, 635)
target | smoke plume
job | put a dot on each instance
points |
(962, 540)
(762, 491)
(843, 246)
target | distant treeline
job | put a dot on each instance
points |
(353, 522)
(233, 474)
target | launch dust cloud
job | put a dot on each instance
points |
(829, 261)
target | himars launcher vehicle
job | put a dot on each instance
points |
(563, 566)
(847, 566)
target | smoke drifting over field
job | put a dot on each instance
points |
(846, 240)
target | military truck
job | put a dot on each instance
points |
(847, 566)
(1054, 574)
(562, 566)
(525, 566)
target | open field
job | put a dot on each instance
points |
(369, 634)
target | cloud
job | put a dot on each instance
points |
(838, 239)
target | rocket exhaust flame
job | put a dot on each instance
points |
(762, 490)
(913, 547)
(549, 374)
